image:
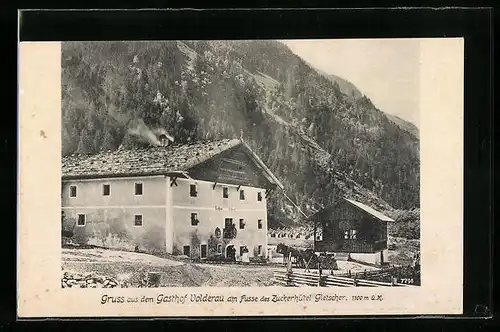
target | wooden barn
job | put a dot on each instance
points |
(351, 227)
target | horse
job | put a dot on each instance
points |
(287, 252)
(307, 258)
(298, 256)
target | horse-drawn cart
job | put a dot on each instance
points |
(307, 258)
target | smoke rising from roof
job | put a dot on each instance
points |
(146, 135)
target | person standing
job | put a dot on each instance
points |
(244, 256)
(233, 254)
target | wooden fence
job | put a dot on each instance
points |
(297, 279)
(368, 273)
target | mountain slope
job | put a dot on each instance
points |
(404, 125)
(351, 90)
(345, 86)
(315, 138)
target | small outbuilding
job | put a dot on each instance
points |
(354, 228)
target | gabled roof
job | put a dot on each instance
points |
(366, 208)
(266, 170)
(359, 205)
(157, 160)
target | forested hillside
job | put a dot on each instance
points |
(319, 141)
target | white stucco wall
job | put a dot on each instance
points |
(372, 258)
(110, 219)
(212, 210)
(166, 209)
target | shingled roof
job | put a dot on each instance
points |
(145, 161)
(359, 205)
(157, 160)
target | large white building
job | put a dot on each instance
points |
(198, 199)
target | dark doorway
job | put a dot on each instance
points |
(381, 258)
(203, 251)
(187, 251)
(230, 251)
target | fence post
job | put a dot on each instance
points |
(319, 274)
(289, 273)
(355, 281)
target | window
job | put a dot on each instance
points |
(105, 189)
(186, 250)
(259, 250)
(138, 220)
(350, 234)
(242, 223)
(242, 194)
(242, 248)
(72, 191)
(225, 192)
(273, 235)
(81, 220)
(194, 219)
(219, 248)
(259, 196)
(203, 251)
(229, 231)
(259, 224)
(138, 188)
(192, 190)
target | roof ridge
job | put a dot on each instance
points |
(369, 209)
(146, 160)
(150, 147)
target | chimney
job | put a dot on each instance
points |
(163, 140)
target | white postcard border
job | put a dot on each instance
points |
(39, 247)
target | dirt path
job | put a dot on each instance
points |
(114, 256)
(238, 275)
(131, 269)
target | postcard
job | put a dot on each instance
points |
(240, 178)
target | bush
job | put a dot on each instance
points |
(258, 259)
(176, 251)
(118, 229)
(216, 258)
(153, 239)
(406, 224)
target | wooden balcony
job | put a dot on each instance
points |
(229, 233)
